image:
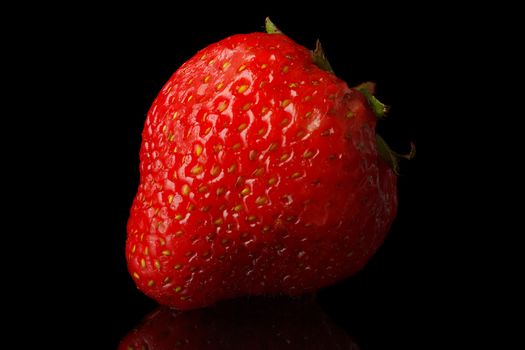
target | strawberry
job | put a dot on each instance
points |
(240, 324)
(261, 173)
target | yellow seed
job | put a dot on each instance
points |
(146, 251)
(220, 191)
(261, 200)
(308, 154)
(203, 188)
(266, 229)
(242, 127)
(226, 65)
(307, 98)
(211, 62)
(206, 254)
(218, 221)
(272, 181)
(166, 280)
(203, 57)
(261, 131)
(171, 137)
(219, 86)
(264, 110)
(157, 264)
(284, 122)
(166, 253)
(205, 208)
(225, 241)
(258, 172)
(307, 115)
(300, 134)
(197, 169)
(293, 85)
(241, 68)
(185, 189)
(189, 253)
(252, 155)
(134, 248)
(222, 106)
(217, 148)
(242, 88)
(207, 131)
(349, 115)
(190, 81)
(246, 106)
(236, 147)
(284, 157)
(189, 98)
(198, 149)
(190, 207)
(251, 218)
(164, 128)
(245, 191)
(273, 147)
(207, 78)
(285, 69)
(151, 283)
(177, 266)
(215, 170)
(285, 103)
(232, 168)
(143, 263)
(296, 175)
(264, 65)
(237, 208)
(141, 237)
(162, 241)
(184, 298)
(136, 275)
(177, 289)
(178, 217)
(179, 233)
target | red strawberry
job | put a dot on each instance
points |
(260, 174)
(240, 324)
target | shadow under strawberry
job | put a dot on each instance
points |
(246, 323)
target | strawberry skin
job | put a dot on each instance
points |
(259, 175)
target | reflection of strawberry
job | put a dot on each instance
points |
(240, 324)
(260, 174)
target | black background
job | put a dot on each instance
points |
(110, 64)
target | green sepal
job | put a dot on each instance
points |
(379, 108)
(270, 27)
(319, 58)
(392, 157)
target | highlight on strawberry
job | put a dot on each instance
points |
(261, 173)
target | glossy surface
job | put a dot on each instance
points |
(240, 324)
(259, 174)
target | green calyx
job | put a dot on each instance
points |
(368, 90)
(270, 27)
(379, 108)
(392, 157)
(319, 58)
(318, 55)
